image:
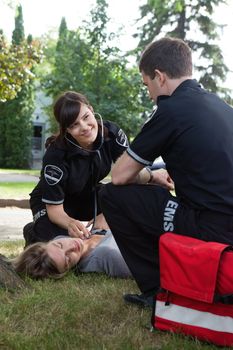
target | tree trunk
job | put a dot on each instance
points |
(9, 279)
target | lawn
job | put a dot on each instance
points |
(79, 312)
(21, 190)
(20, 171)
(16, 190)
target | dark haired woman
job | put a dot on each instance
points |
(75, 162)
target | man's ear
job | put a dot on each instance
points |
(161, 77)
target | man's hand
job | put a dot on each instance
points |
(162, 178)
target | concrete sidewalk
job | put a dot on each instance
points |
(18, 178)
(14, 213)
(12, 221)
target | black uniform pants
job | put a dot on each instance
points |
(139, 214)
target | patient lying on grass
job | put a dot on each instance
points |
(54, 258)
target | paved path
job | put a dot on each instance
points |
(12, 221)
(18, 178)
(13, 215)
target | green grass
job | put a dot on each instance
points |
(20, 171)
(21, 190)
(79, 312)
(16, 190)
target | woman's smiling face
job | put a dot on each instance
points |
(85, 128)
(65, 252)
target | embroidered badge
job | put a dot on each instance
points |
(122, 139)
(52, 174)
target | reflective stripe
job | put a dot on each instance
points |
(137, 158)
(50, 177)
(52, 202)
(193, 317)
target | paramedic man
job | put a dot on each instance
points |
(192, 130)
(75, 162)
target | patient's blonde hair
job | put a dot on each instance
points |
(35, 262)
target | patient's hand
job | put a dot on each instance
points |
(162, 178)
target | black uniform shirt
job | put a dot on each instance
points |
(70, 174)
(193, 131)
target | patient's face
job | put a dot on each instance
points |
(65, 252)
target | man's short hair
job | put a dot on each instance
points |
(169, 55)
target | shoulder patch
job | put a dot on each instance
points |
(52, 174)
(121, 139)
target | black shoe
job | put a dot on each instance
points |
(28, 233)
(139, 299)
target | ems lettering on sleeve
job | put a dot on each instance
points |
(39, 214)
(121, 139)
(169, 214)
(52, 174)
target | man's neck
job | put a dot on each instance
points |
(172, 84)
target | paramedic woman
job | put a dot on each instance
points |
(75, 162)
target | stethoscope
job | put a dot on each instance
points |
(97, 151)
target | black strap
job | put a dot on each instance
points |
(98, 231)
(224, 299)
(94, 183)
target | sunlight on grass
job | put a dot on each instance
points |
(16, 190)
(11, 248)
(20, 171)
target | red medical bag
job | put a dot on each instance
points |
(196, 297)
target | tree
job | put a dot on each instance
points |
(16, 62)
(86, 61)
(18, 32)
(16, 119)
(192, 22)
(16, 114)
(63, 32)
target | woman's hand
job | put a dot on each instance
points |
(100, 223)
(77, 229)
(58, 216)
(162, 178)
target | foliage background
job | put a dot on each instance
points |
(17, 96)
(87, 60)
